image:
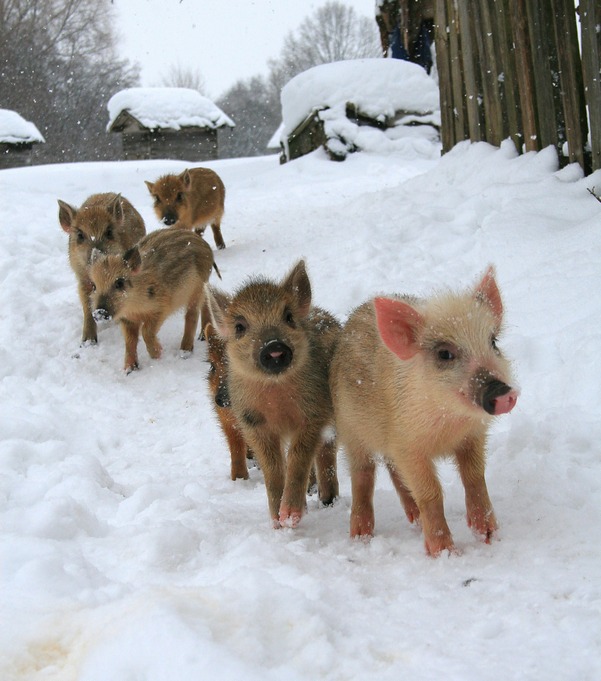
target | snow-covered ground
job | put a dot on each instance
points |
(127, 553)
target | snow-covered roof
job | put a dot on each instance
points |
(379, 88)
(167, 107)
(14, 129)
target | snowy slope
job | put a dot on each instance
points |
(127, 553)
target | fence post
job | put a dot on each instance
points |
(590, 18)
(441, 38)
(512, 110)
(570, 78)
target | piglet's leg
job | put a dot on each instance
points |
(150, 329)
(268, 451)
(471, 462)
(89, 333)
(219, 242)
(131, 332)
(327, 479)
(363, 480)
(422, 480)
(411, 509)
(191, 322)
(237, 446)
(300, 458)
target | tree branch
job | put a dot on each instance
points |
(592, 191)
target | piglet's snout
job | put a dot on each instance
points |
(101, 315)
(498, 397)
(275, 357)
(492, 394)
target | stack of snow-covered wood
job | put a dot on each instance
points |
(338, 105)
(17, 137)
(162, 122)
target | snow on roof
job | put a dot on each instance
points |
(14, 129)
(167, 107)
(377, 87)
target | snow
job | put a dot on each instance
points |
(128, 553)
(14, 129)
(167, 107)
(379, 88)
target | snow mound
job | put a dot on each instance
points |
(379, 88)
(14, 129)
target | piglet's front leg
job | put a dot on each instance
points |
(480, 514)
(131, 332)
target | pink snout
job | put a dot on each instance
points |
(505, 403)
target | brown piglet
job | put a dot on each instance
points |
(413, 380)
(278, 351)
(105, 222)
(191, 200)
(217, 379)
(163, 272)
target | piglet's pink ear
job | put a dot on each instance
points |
(398, 325)
(488, 292)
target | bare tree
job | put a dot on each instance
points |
(58, 68)
(255, 108)
(184, 76)
(333, 33)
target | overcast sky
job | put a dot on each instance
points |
(225, 40)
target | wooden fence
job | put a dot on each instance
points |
(514, 68)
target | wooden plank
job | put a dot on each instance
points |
(590, 17)
(493, 117)
(570, 76)
(512, 117)
(457, 86)
(441, 41)
(470, 74)
(525, 77)
(544, 62)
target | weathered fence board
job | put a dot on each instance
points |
(512, 68)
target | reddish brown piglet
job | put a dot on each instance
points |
(413, 380)
(278, 352)
(164, 272)
(191, 200)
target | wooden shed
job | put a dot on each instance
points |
(166, 123)
(329, 105)
(17, 137)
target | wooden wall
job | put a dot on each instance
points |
(15, 155)
(186, 145)
(513, 68)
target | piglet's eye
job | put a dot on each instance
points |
(240, 327)
(445, 355)
(81, 237)
(109, 233)
(180, 197)
(120, 284)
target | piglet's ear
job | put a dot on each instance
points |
(398, 325)
(133, 259)
(217, 302)
(117, 209)
(66, 215)
(298, 284)
(488, 292)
